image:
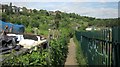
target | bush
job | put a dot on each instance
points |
(59, 51)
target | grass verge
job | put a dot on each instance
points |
(81, 60)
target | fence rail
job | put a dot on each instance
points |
(101, 47)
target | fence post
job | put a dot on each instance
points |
(116, 46)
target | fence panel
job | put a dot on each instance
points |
(116, 46)
(101, 47)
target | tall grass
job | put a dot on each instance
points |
(81, 60)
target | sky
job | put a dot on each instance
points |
(92, 8)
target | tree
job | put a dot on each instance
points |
(57, 20)
(25, 11)
(34, 10)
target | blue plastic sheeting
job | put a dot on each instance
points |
(16, 28)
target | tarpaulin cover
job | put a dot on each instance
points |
(16, 28)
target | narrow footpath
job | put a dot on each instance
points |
(71, 57)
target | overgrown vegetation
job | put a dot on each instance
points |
(59, 51)
(62, 24)
(43, 20)
(54, 56)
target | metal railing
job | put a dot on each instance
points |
(101, 47)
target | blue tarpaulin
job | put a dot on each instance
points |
(15, 27)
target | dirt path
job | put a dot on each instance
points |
(71, 57)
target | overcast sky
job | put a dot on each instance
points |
(92, 8)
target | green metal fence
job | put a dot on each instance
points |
(116, 46)
(101, 47)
